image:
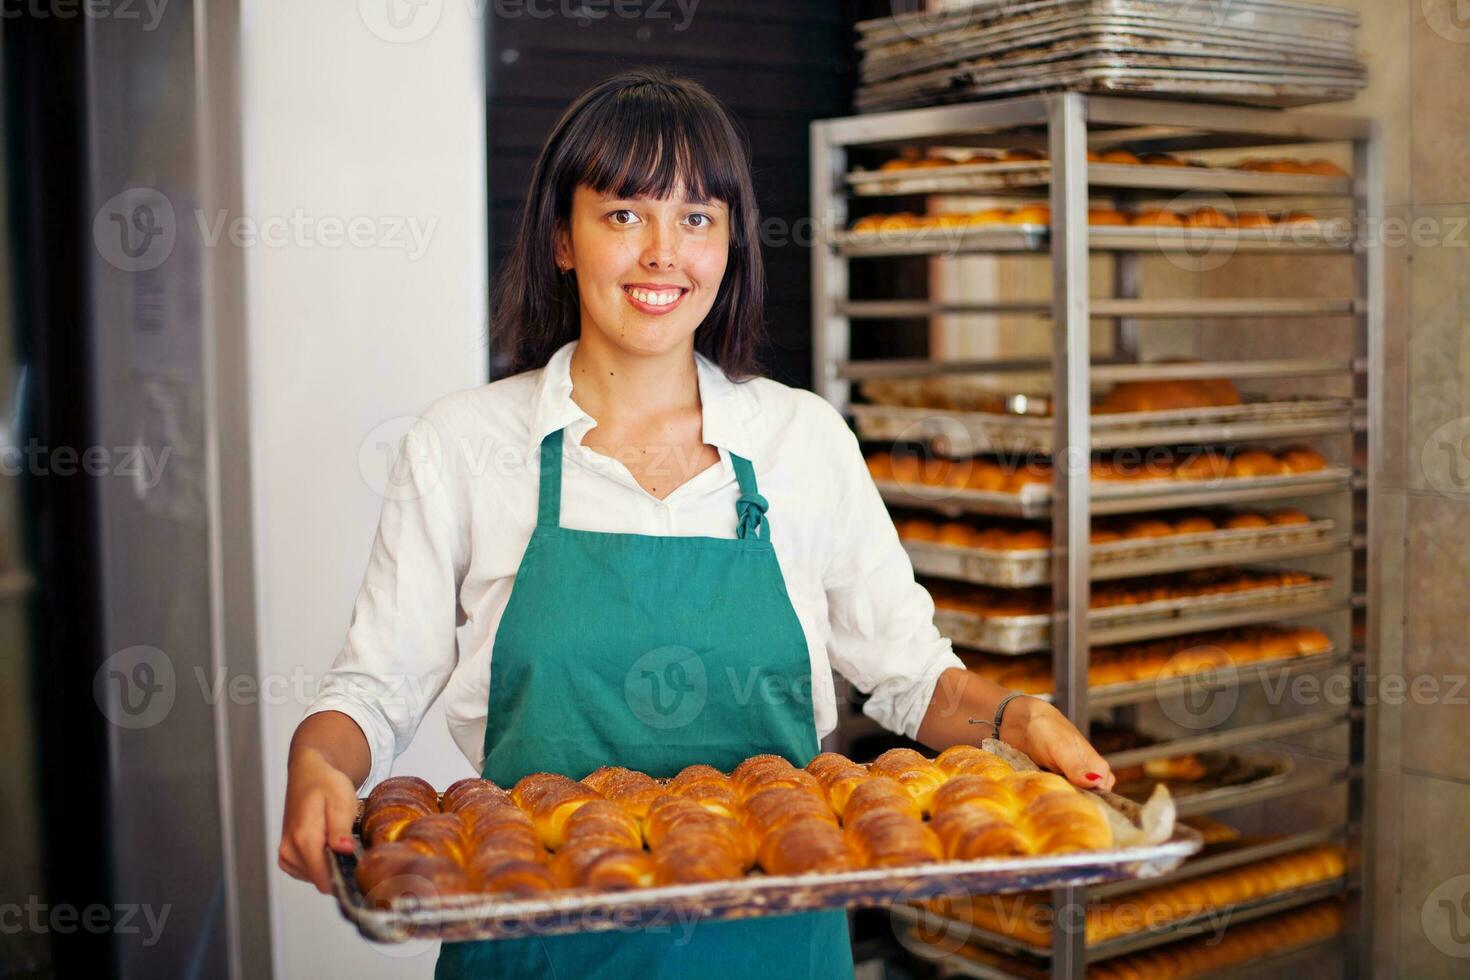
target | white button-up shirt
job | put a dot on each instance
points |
(462, 504)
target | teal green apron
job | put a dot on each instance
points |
(654, 653)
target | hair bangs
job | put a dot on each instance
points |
(649, 142)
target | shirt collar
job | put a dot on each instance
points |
(728, 411)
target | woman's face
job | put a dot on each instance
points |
(647, 270)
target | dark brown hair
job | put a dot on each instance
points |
(635, 134)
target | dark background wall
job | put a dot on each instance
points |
(777, 64)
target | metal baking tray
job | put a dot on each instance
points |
(1332, 234)
(1138, 692)
(1263, 91)
(978, 178)
(1120, 559)
(1328, 235)
(1115, 44)
(487, 916)
(1039, 40)
(934, 241)
(1030, 634)
(1116, 496)
(1206, 921)
(1315, 21)
(966, 433)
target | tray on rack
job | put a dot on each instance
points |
(964, 433)
(1113, 496)
(1051, 39)
(925, 241)
(1112, 559)
(980, 178)
(1032, 633)
(491, 916)
(1296, 22)
(1208, 920)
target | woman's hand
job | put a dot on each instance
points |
(1053, 742)
(962, 697)
(321, 802)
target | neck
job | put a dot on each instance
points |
(617, 388)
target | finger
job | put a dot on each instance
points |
(310, 837)
(340, 814)
(1085, 768)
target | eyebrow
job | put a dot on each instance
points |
(700, 201)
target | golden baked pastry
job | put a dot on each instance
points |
(1157, 217)
(1119, 156)
(1031, 214)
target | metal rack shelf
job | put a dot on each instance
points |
(1117, 497)
(969, 239)
(1207, 921)
(990, 178)
(1064, 125)
(1129, 557)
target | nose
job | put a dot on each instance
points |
(660, 247)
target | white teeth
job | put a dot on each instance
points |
(652, 298)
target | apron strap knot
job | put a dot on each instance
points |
(750, 509)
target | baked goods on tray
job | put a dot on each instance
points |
(1175, 656)
(617, 829)
(1013, 476)
(993, 535)
(987, 602)
(1027, 917)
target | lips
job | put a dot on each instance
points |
(654, 299)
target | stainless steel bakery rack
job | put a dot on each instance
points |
(846, 154)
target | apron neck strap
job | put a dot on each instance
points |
(548, 513)
(750, 507)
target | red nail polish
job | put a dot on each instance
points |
(1092, 776)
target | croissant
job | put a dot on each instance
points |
(519, 878)
(385, 823)
(960, 759)
(631, 790)
(768, 771)
(695, 857)
(880, 793)
(839, 776)
(603, 821)
(460, 793)
(919, 776)
(805, 846)
(771, 809)
(393, 875)
(408, 786)
(891, 837)
(444, 832)
(551, 800)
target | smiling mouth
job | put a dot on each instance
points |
(654, 300)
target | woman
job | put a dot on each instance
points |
(601, 522)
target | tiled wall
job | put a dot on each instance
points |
(1418, 53)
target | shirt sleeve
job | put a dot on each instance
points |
(400, 647)
(883, 635)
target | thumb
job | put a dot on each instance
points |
(1084, 768)
(341, 812)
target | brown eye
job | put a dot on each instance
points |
(623, 216)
